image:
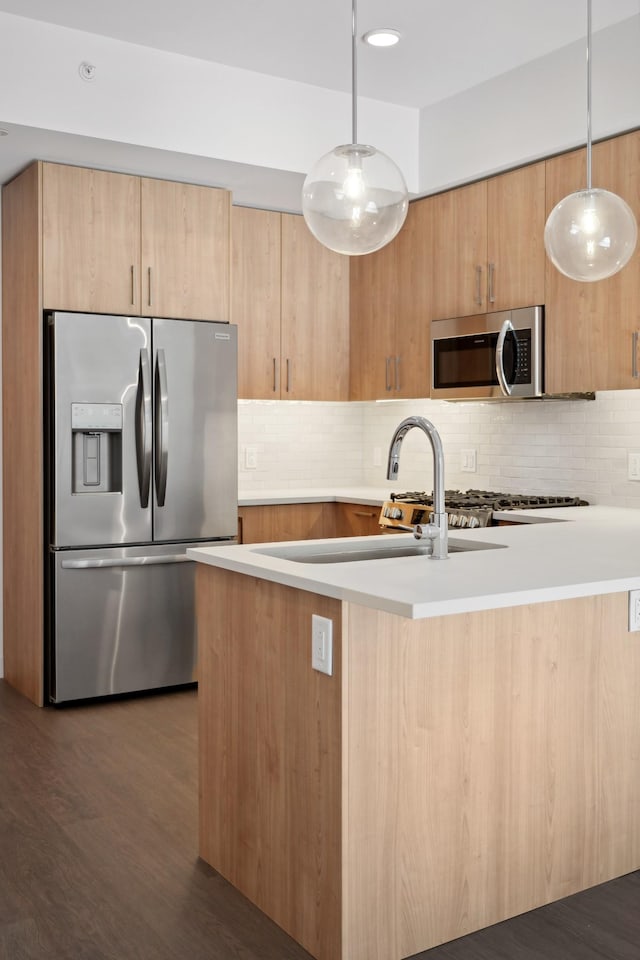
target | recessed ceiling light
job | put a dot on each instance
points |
(383, 37)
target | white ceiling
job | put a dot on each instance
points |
(447, 45)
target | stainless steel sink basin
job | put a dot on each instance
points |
(336, 552)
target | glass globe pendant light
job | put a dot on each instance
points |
(354, 200)
(590, 235)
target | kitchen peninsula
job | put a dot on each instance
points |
(474, 754)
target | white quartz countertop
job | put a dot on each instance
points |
(254, 498)
(590, 550)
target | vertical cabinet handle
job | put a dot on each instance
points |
(387, 376)
(275, 378)
(492, 270)
(634, 354)
(150, 303)
(288, 375)
(133, 285)
(397, 373)
(478, 297)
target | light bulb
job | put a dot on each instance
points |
(355, 199)
(590, 235)
(354, 186)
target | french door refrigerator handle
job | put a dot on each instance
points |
(507, 327)
(144, 427)
(92, 563)
(162, 428)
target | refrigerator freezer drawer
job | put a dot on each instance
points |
(123, 620)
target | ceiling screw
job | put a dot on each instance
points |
(87, 71)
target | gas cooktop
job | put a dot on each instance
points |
(470, 508)
(489, 498)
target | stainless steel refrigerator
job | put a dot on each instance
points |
(141, 454)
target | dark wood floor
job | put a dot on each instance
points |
(98, 853)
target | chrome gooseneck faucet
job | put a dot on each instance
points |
(437, 531)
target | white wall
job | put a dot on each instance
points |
(533, 111)
(170, 102)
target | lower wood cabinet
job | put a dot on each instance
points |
(269, 523)
(357, 519)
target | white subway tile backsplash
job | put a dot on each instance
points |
(571, 447)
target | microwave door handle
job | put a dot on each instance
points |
(144, 427)
(162, 428)
(507, 327)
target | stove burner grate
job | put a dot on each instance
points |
(458, 499)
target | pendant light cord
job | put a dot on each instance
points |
(588, 94)
(354, 76)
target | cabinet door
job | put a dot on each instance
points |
(315, 316)
(391, 313)
(91, 240)
(515, 240)
(185, 250)
(413, 303)
(460, 251)
(283, 521)
(590, 327)
(255, 300)
(374, 286)
(358, 520)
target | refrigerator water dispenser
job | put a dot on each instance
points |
(97, 447)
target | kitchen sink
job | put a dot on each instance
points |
(335, 552)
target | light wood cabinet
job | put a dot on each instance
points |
(290, 300)
(90, 240)
(268, 523)
(315, 316)
(185, 250)
(357, 519)
(488, 244)
(591, 329)
(391, 307)
(255, 300)
(114, 243)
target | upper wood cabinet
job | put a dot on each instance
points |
(290, 300)
(90, 240)
(391, 312)
(488, 249)
(114, 243)
(185, 250)
(255, 300)
(315, 316)
(591, 329)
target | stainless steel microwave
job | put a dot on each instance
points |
(488, 356)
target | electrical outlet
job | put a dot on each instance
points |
(322, 644)
(634, 611)
(468, 461)
(251, 458)
(633, 471)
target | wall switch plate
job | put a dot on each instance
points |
(251, 458)
(634, 611)
(322, 644)
(468, 461)
(633, 472)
